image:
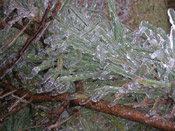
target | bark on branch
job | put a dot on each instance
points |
(29, 41)
(101, 106)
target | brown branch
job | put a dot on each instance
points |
(20, 27)
(60, 123)
(130, 114)
(62, 107)
(7, 18)
(55, 11)
(18, 108)
(79, 86)
(57, 8)
(101, 106)
(27, 31)
(60, 111)
(28, 42)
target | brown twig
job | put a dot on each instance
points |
(58, 124)
(5, 20)
(20, 27)
(32, 127)
(7, 94)
(55, 11)
(18, 108)
(27, 31)
(20, 99)
(79, 86)
(16, 37)
(62, 107)
(61, 110)
(28, 42)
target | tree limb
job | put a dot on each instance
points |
(101, 106)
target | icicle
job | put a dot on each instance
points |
(48, 76)
(48, 85)
(172, 37)
(171, 14)
(85, 101)
(62, 87)
(101, 53)
(97, 94)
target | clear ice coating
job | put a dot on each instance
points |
(100, 52)
(171, 14)
(172, 37)
(108, 58)
(157, 54)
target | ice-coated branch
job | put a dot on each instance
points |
(100, 106)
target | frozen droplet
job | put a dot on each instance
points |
(97, 94)
(153, 42)
(48, 86)
(171, 62)
(47, 76)
(157, 54)
(47, 1)
(172, 37)
(152, 113)
(35, 70)
(62, 87)
(171, 14)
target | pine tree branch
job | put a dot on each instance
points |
(101, 106)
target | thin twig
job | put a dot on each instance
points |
(61, 109)
(4, 20)
(28, 42)
(27, 13)
(19, 100)
(16, 37)
(6, 41)
(173, 111)
(155, 103)
(33, 11)
(27, 31)
(55, 11)
(32, 127)
(9, 93)
(11, 22)
(60, 123)
(79, 86)
(42, 32)
(18, 108)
